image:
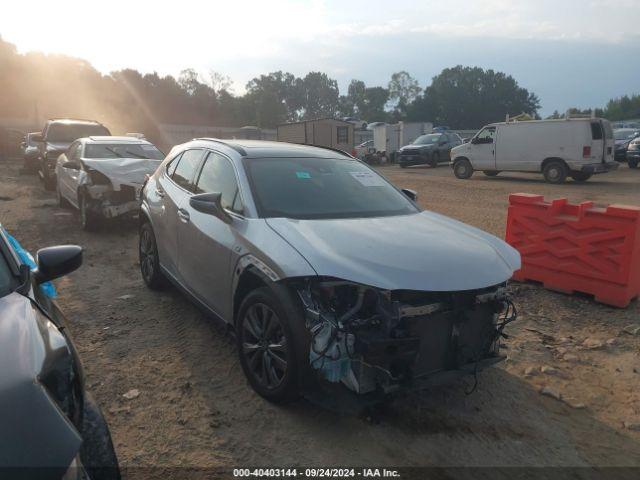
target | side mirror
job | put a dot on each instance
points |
(56, 262)
(410, 194)
(465, 140)
(209, 203)
(475, 141)
(37, 138)
(71, 165)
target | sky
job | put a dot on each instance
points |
(571, 53)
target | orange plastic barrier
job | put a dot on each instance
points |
(577, 248)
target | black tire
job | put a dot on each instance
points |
(555, 171)
(403, 165)
(633, 163)
(462, 168)
(62, 202)
(97, 453)
(491, 173)
(149, 259)
(88, 220)
(48, 181)
(580, 176)
(435, 160)
(266, 346)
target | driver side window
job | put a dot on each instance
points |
(486, 135)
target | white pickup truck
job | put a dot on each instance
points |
(577, 147)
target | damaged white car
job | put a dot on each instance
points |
(103, 176)
(336, 284)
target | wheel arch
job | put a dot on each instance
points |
(548, 160)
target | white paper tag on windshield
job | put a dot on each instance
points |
(368, 179)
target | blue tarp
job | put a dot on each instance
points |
(47, 288)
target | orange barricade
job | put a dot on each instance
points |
(577, 248)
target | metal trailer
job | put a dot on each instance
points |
(387, 139)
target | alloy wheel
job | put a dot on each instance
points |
(264, 345)
(147, 255)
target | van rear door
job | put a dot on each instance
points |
(609, 142)
(598, 141)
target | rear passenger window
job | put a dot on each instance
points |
(596, 131)
(186, 169)
(218, 176)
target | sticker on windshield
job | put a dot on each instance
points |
(303, 175)
(368, 179)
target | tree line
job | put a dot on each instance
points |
(34, 84)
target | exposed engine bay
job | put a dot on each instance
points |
(383, 341)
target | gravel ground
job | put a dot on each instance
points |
(194, 408)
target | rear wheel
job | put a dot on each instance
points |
(633, 163)
(491, 173)
(462, 168)
(435, 160)
(266, 346)
(555, 171)
(149, 259)
(580, 176)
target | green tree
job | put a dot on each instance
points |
(623, 108)
(278, 98)
(403, 90)
(320, 95)
(470, 97)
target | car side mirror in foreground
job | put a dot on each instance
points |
(71, 165)
(210, 203)
(410, 194)
(56, 262)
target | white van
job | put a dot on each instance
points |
(576, 147)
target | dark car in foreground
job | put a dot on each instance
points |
(50, 427)
(623, 137)
(430, 149)
(332, 279)
(56, 137)
(30, 152)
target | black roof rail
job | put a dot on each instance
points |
(237, 148)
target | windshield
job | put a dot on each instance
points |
(427, 139)
(625, 134)
(67, 133)
(122, 150)
(309, 188)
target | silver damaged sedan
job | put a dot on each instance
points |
(335, 283)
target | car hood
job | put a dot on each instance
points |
(621, 143)
(57, 146)
(35, 361)
(417, 147)
(124, 171)
(422, 251)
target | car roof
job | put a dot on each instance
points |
(270, 149)
(115, 139)
(74, 121)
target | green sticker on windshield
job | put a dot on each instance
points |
(303, 175)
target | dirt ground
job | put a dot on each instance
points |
(195, 408)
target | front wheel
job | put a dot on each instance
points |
(88, 219)
(266, 346)
(97, 453)
(580, 176)
(48, 180)
(62, 202)
(462, 169)
(633, 163)
(435, 160)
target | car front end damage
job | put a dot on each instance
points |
(107, 198)
(382, 342)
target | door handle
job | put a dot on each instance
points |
(183, 214)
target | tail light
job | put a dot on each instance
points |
(586, 151)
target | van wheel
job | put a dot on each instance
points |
(633, 163)
(555, 172)
(580, 176)
(491, 173)
(462, 169)
(435, 160)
